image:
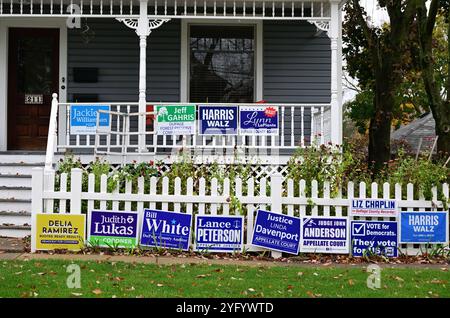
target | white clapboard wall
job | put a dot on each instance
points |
(222, 197)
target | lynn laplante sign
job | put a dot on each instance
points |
(258, 120)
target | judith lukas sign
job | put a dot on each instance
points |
(109, 228)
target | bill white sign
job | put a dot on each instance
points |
(373, 208)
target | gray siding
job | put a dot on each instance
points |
(114, 49)
(297, 63)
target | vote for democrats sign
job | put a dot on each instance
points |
(374, 237)
(373, 207)
(324, 235)
(214, 233)
(60, 231)
(218, 120)
(175, 120)
(424, 227)
(166, 229)
(83, 119)
(109, 228)
(258, 120)
(277, 232)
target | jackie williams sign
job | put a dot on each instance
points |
(166, 229)
(373, 208)
(258, 120)
(108, 228)
(215, 233)
(60, 231)
(218, 120)
(374, 237)
(277, 232)
(175, 120)
(83, 119)
(324, 235)
(424, 227)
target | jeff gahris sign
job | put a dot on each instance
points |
(166, 229)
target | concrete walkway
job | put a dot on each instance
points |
(167, 260)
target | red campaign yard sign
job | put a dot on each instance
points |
(149, 118)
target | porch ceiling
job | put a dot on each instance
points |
(319, 10)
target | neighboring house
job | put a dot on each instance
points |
(410, 135)
(132, 55)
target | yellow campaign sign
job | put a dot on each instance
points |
(60, 231)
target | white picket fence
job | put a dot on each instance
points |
(274, 194)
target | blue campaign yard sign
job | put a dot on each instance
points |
(424, 227)
(277, 232)
(219, 233)
(166, 229)
(83, 119)
(258, 120)
(324, 235)
(374, 237)
(218, 120)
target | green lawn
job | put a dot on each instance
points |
(47, 278)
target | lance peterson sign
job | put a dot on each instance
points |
(373, 207)
(219, 233)
(108, 228)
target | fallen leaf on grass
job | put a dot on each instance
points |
(351, 282)
(77, 294)
(399, 279)
(251, 290)
(437, 281)
(97, 291)
(159, 285)
(203, 275)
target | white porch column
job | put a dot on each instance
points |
(143, 27)
(336, 72)
(142, 31)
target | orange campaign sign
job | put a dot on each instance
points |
(60, 231)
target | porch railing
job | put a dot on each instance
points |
(300, 125)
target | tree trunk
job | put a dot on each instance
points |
(442, 120)
(380, 128)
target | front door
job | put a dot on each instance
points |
(33, 74)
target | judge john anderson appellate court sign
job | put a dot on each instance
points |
(60, 231)
(166, 229)
(175, 120)
(324, 235)
(110, 228)
(277, 232)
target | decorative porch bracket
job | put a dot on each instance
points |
(334, 32)
(143, 27)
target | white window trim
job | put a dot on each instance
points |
(184, 61)
(5, 24)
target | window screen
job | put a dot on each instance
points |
(221, 64)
